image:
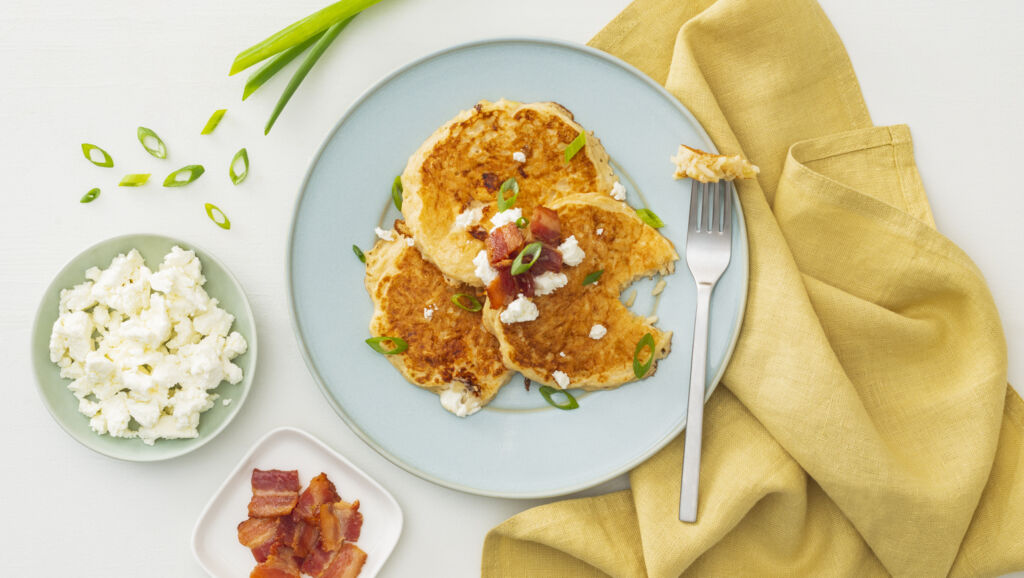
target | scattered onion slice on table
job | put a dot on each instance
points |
(134, 180)
(570, 402)
(241, 155)
(217, 216)
(87, 149)
(193, 172)
(90, 196)
(159, 150)
(211, 124)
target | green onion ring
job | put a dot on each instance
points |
(217, 216)
(522, 222)
(474, 303)
(90, 196)
(641, 369)
(242, 155)
(508, 185)
(574, 147)
(593, 277)
(214, 121)
(533, 249)
(570, 402)
(160, 150)
(400, 344)
(359, 253)
(193, 172)
(134, 180)
(274, 65)
(87, 151)
(648, 216)
(396, 192)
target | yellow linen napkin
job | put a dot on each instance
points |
(865, 426)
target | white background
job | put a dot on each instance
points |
(74, 71)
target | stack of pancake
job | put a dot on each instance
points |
(412, 278)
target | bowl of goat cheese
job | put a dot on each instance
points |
(144, 347)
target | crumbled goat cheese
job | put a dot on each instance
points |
(458, 400)
(618, 191)
(600, 231)
(561, 354)
(226, 402)
(468, 218)
(560, 378)
(547, 282)
(518, 311)
(598, 331)
(505, 217)
(572, 255)
(384, 235)
(428, 313)
(484, 271)
(519, 157)
(410, 241)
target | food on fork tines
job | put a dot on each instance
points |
(292, 533)
(708, 167)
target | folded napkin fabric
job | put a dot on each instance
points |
(865, 426)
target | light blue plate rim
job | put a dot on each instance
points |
(296, 327)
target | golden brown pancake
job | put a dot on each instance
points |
(462, 165)
(626, 249)
(450, 350)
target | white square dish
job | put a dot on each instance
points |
(215, 539)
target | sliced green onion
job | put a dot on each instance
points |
(508, 185)
(299, 32)
(522, 222)
(87, 151)
(359, 253)
(648, 216)
(134, 180)
(570, 402)
(159, 150)
(472, 303)
(273, 66)
(396, 192)
(532, 250)
(90, 196)
(241, 155)
(575, 146)
(214, 121)
(641, 369)
(593, 277)
(399, 344)
(319, 47)
(193, 172)
(217, 216)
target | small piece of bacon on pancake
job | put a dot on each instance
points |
(346, 562)
(503, 243)
(274, 493)
(546, 226)
(339, 522)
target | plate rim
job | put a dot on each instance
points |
(252, 347)
(315, 441)
(297, 328)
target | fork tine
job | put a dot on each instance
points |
(694, 196)
(727, 209)
(709, 205)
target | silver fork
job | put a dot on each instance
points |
(708, 250)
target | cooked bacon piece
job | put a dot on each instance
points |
(550, 259)
(339, 522)
(503, 243)
(274, 493)
(506, 287)
(320, 491)
(346, 562)
(280, 564)
(306, 536)
(259, 535)
(545, 225)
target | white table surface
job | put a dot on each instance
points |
(75, 71)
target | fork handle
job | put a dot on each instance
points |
(695, 407)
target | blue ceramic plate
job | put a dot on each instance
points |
(518, 446)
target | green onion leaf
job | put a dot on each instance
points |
(531, 251)
(593, 277)
(214, 121)
(574, 147)
(192, 173)
(159, 150)
(273, 66)
(641, 369)
(648, 216)
(299, 32)
(508, 185)
(300, 73)
(217, 216)
(399, 344)
(396, 192)
(134, 180)
(472, 303)
(87, 151)
(241, 155)
(522, 222)
(570, 402)
(90, 196)
(359, 253)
